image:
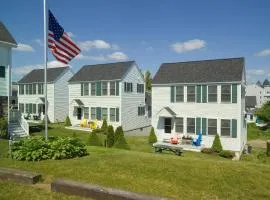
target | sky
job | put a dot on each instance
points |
(149, 32)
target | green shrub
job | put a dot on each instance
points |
(118, 132)
(37, 148)
(110, 136)
(216, 146)
(94, 139)
(152, 136)
(67, 121)
(3, 128)
(98, 131)
(121, 142)
(104, 125)
(207, 150)
(226, 154)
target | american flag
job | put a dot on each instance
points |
(63, 48)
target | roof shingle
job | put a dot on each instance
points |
(220, 70)
(5, 35)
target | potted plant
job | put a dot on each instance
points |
(187, 139)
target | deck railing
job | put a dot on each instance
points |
(24, 124)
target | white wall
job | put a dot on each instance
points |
(61, 100)
(255, 90)
(131, 102)
(4, 61)
(161, 99)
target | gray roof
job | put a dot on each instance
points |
(170, 111)
(5, 35)
(220, 70)
(251, 101)
(37, 75)
(108, 71)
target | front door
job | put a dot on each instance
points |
(79, 113)
(168, 125)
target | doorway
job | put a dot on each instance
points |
(79, 113)
(168, 125)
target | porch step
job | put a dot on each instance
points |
(16, 130)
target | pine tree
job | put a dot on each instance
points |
(121, 142)
(152, 136)
(67, 121)
(104, 125)
(118, 131)
(216, 146)
(110, 136)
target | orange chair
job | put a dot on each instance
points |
(174, 139)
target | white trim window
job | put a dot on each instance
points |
(191, 126)
(141, 110)
(225, 127)
(93, 113)
(21, 89)
(179, 94)
(191, 93)
(93, 89)
(112, 88)
(104, 86)
(104, 113)
(86, 112)
(179, 125)
(212, 127)
(112, 114)
(40, 88)
(212, 93)
(226, 93)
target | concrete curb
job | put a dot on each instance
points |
(19, 176)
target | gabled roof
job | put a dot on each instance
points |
(5, 35)
(37, 75)
(108, 71)
(251, 101)
(220, 70)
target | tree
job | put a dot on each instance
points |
(266, 82)
(94, 139)
(67, 122)
(264, 112)
(148, 81)
(121, 142)
(110, 136)
(152, 136)
(118, 132)
(216, 146)
(104, 125)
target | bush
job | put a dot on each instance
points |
(67, 122)
(3, 128)
(37, 148)
(118, 132)
(152, 137)
(110, 136)
(104, 125)
(94, 139)
(121, 142)
(216, 146)
(207, 150)
(226, 154)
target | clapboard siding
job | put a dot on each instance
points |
(61, 96)
(4, 61)
(131, 102)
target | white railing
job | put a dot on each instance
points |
(24, 124)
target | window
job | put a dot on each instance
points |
(140, 88)
(21, 89)
(141, 110)
(212, 93)
(85, 89)
(179, 125)
(40, 88)
(30, 88)
(179, 93)
(93, 89)
(112, 88)
(104, 113)
(21, 107)
(93, 113)
(212, 126)
(191, 93)
(225, 127)
(27, 89)
(191, 125)
(128, 87)
(225, 93)
(112, 114)
(2, 72)
(34, 106)
(104, 86)
(86, 113)
(34, 88)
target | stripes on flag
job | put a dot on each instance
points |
(60, 43)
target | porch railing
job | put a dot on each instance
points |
(24, 124)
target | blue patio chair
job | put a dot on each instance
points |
(198, 141)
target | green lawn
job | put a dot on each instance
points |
(191, 176)
(255, 133)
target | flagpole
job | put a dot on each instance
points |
(45, 65)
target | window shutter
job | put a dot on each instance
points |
(234, 93)
(117, 88)
(81, 89)
(204, 94)
(234, 128)
(117, 114)
(198, 125)
(172, 94)
(98, 113)
(2, 72)
(98, 88)
(204, 126)
(34, 108)
(198, 93)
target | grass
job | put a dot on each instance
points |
(191, 176)
(254, 133)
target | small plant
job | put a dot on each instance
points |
(226, 154)
(94, 139)
(152, 136)
(207, 150)
(187, 137)
(3, 128)
(216, 146)
(120, 142)
(93, 125)
(118, 132)
(104, 125)
(67, 121)
(110, 136)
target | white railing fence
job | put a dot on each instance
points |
(24, 124)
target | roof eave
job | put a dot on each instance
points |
(14, 45)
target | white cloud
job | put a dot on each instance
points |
(190, 45)
(90, 44)
(71, 34)
(39, 42)
(24, 48)
(265, 52)
(96, 58)
(55, 63)
(118, 56)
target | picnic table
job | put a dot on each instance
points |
(175, 148)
